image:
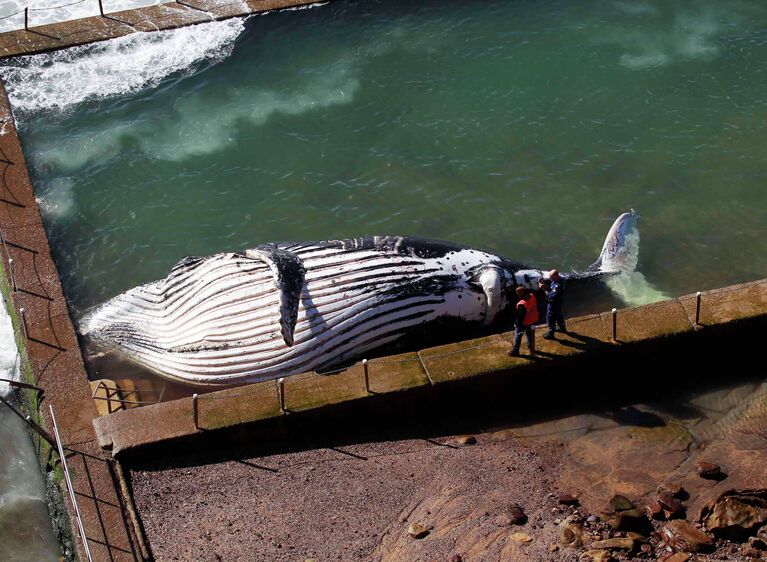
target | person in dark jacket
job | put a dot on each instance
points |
(527, 316)
(554, 291)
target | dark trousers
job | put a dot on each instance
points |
(529, 331)
(555, 318)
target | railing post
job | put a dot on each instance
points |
(32, 423)
(70, 489)
(697, 308)
(10, 272)
(101, 9)
(615, 324)
(26, 19)
(281, 393)
(195, 411)
(23, 324)
(367, 375)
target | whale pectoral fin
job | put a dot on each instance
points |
(491, 281)
(289, 273)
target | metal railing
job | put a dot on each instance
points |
(26, 11)
(70, 489)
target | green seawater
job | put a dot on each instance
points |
(519, 127)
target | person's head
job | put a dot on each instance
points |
(554, 275)
(522, 292)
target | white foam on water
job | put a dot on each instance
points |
(633, 288)
(9, 354)
(57, 198)
(60, 80)
(214, 125)
(694, 32)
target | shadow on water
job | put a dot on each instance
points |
(616, 383)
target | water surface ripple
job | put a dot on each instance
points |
(520, 127)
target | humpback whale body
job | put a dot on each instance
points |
(286, 308)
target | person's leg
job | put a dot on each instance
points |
(560, 319)
(550, 322)
(531, 339)
(514, 351)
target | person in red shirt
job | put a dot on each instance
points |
(527, 316)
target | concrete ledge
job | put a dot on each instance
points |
(171, 15)
(446, 365)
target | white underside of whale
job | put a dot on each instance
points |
(218, 322)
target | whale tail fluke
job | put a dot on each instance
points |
(620, 252)
(618, 262)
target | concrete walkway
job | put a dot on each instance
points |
(591, 338)
(54, 353)
(151, 18)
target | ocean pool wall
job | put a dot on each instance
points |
(54, 363)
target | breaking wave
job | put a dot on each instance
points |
(58, 81)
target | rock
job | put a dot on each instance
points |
(553, 547)
(456, 558)
(417, 531)
(570, 535)
(678, 557)
(466, 440)
(592, 519)
(629, 520)
(762, 533)
(621, 503)
(568, 499)
(639, 537)
(708, 470)
(736, 516)
(522, 537)
(596, 556)
(655, 510)
(613, 544)
(750, 552)
(672, 507)
(757, 543)
(673, 490)
(517, 515)
(680, 535)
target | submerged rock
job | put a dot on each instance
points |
(680, 535)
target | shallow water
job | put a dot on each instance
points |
(519, 127)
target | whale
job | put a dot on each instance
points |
(285, 308)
